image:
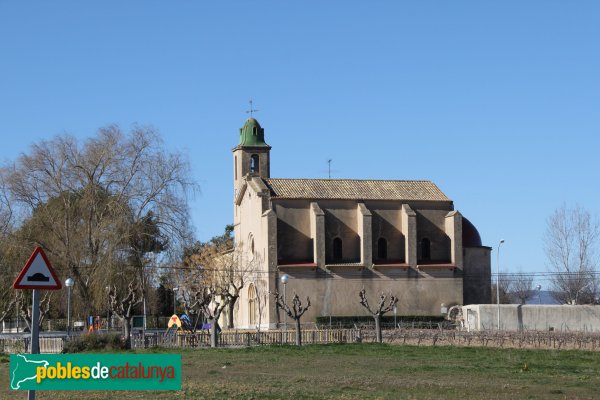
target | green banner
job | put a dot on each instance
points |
(95, 371)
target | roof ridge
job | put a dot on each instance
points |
(349, 179)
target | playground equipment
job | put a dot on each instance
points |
(94, 323)
(174, 325)
(186, 323)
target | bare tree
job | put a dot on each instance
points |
(262, 296)
(210, 302)
(295, 312)
(123, 307)
(571, 244)
(380, 310)
(24, 302)
(521, 286)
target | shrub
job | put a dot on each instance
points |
(109, 341)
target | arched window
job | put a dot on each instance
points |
(337, 249)
(235, 167)
(425, 249)
(382, 249)
(251, 304)
(255, 131)
(254, 165)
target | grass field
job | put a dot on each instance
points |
(368, 371)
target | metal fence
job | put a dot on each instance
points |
(426, 337)
(244, 338)
(48, 345)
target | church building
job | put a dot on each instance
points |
(332, 237)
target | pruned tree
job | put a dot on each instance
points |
(210, 302)
(224, 267)
(24, 302)
(378, 311)
(571, 245)
(262, 297)
(123, 306)
(295, 312)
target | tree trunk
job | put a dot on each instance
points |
(298, 333)
(378, 327)
(127, 327)
(230, 307)
(214, 328)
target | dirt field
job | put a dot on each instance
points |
(369, 371)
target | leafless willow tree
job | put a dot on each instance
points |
(100, 205)
(571, 244)
(378, 311)
(295, 312)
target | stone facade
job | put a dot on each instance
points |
(333, 237)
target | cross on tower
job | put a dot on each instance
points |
(251, 110)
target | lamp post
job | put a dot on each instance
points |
(108, 309)
(175, 289)
(69, 283)
(395, 312)
(284, 280)
(498, 281)
(539, 289)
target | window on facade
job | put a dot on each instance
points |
(255, 131)
(382, 249)
(254, 165)
(235, 167)
(251, 304)
(425, 249)
(337, 249)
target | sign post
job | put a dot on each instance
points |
(37, 274)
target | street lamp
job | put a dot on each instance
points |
(69, 283)
(539, 289)
(175, 289)
(284, 280)
(498, 281)
(108, 309)
(395, 312)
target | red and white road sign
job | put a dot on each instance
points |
(38, 273)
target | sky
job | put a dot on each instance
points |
(498, 103)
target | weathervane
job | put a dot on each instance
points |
(251, 110)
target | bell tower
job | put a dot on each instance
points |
(251, 155)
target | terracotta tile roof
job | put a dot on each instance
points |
(353, 189)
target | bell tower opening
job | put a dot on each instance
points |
(254, 164)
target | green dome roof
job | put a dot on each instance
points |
(251, 134)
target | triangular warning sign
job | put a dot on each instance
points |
(37, 273)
